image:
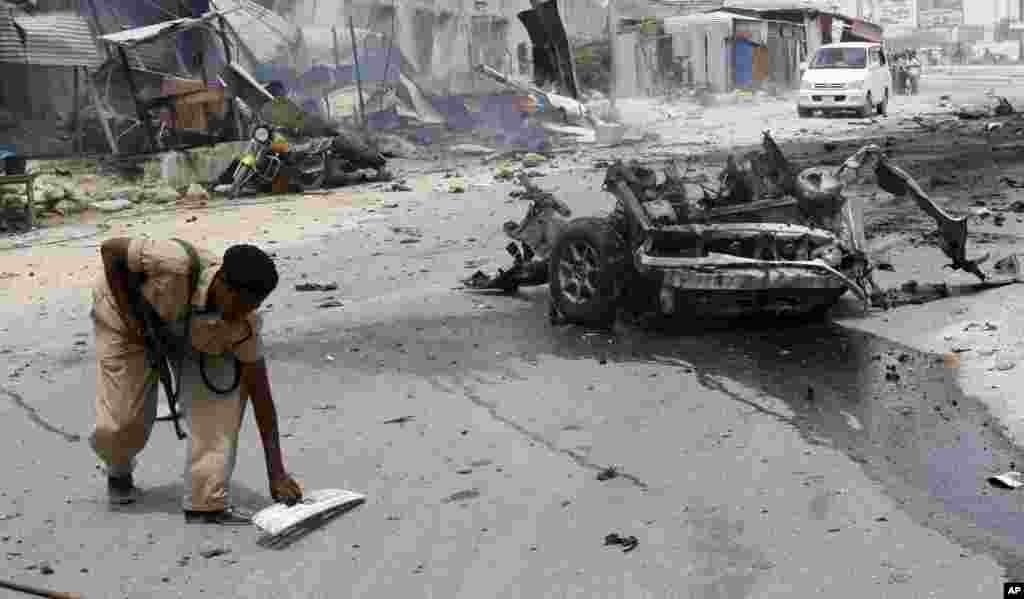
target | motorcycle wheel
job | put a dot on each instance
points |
(242, 176)
(313, 172)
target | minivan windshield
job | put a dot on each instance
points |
(840, 58)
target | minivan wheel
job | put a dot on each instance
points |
(869, 106)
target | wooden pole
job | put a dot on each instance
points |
(337, 52)
(139, 110)
(233, 112)
(612, 31)
(95, 95)
(99, 27)
(359, 75)
(75, 118)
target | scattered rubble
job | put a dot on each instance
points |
(461, 496)
(399, 420)
(109, 206)
(627, 543)
(316, 287)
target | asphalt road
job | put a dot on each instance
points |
(755, 462)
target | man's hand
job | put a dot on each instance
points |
(286, 490)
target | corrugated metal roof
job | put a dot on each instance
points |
(263, 31)
(55, 39)
(685, 7)
(122, 15)
(59, 40)
(779, 4)
(11, 48)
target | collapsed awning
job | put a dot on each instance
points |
(140, 35)
(265, 35)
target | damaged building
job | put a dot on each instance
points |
(417, 62)
(736, 45)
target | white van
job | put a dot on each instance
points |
(847, 76)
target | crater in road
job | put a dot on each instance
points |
(895, 411)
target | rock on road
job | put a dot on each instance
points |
(748, 464)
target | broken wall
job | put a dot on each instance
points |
(442, 40)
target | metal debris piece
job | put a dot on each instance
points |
(214, 552)
(462, 496)
(316, 287)
(627, 543)
(608, 474)
(1009, 480)
(399, 420)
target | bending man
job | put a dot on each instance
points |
(206, 308)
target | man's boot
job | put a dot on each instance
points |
(227, 517)
(122, 490)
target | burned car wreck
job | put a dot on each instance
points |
(764, 238)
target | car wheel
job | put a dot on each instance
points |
(883, 107)
(804, 112)
(587, 271)
(869, 106)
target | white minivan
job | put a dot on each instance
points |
(846, 76)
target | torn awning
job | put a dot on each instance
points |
(140, 35)
(264, 33)
(51, 40)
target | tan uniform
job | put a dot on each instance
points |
(127, 389)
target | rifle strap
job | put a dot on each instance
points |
(195, 267)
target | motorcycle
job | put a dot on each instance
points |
(270, 155)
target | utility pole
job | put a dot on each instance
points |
(613, 56)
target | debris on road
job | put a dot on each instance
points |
(627, 543)
(608, 473)
(399, 420)
(331, 304)
(458, 496)
(281, 522)
(316, 287)
(536, 234)
(1008, 480)
(472, 150)
(213, 552)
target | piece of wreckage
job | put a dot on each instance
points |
(766, 240)
(533, 238)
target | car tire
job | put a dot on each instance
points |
(883, 107)
(587, 270)
(804, 112)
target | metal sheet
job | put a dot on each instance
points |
(56, 40)
(133, 37)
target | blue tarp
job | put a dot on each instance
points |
(744, 63)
